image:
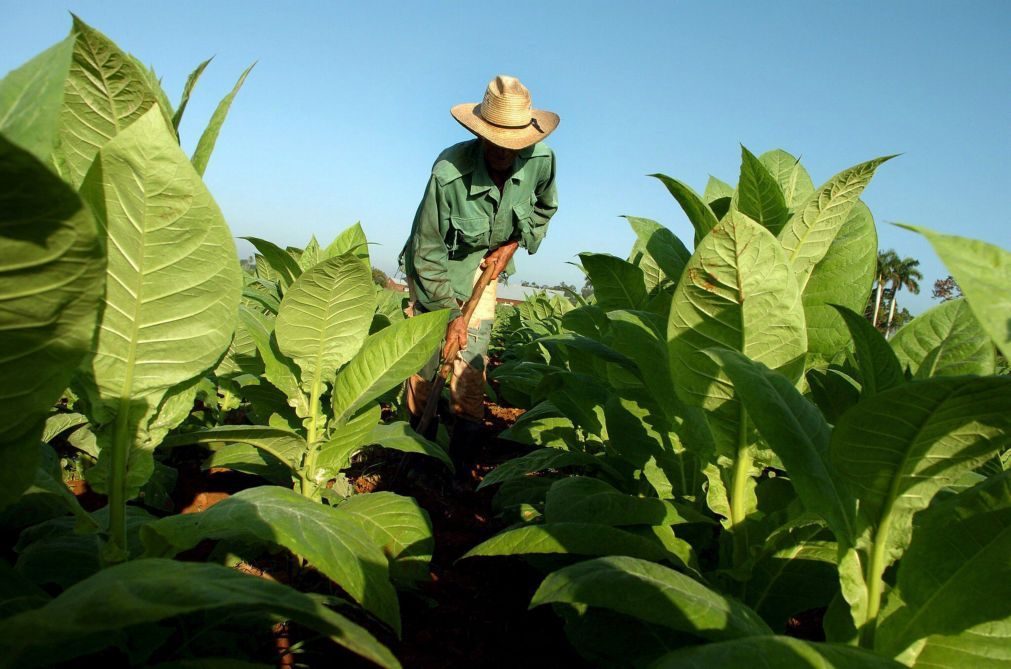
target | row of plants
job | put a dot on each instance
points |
(130, 332)
(733, 464)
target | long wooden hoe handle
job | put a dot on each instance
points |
(490, 274)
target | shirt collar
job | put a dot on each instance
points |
(481, 181)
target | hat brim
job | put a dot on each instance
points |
(543, 124)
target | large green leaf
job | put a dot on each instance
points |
(250, 460)
(386, 359)
(399, 436)
(325, 317)
(844, 277)
(879, 367)
(617, 283)
(542, 426)
(51, 278)
(544, 458)
(91, 615)
(738, 292)
(332, 542)
(983, 272)
(661, 245)
(759, 195)
(956, 573)
(652, 593)
(698, 212)
(31, 98)
(571, 539)
(946, 340)
(898, 449)
(793, 179)
(172, 292)
(781, 652)
(581, 499)
(351, 240)
(400, 527)
(283, 445)
(798, 434)
(806, 238)
(105, 92)
(209, 138)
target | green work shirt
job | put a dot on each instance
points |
(462, 216)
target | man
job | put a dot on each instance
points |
(485, 198)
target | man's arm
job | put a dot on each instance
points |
(544, 208)
(429, 254)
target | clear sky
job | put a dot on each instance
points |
(349, 105)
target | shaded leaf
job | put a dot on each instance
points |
(698, 212)
(774, 651)
(51, 278)
(983, 272)
(945, 340)
(400, 527)
(617, 284)
(571, 539)
(759, 195)
(152, 590)
(333, 543)
(879, 368)
(31, 99)
(652, 593)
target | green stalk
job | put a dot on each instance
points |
(117, 483)
(738, 491)
(875, 583)
(310, 459)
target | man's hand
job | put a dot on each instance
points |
(456, 331)
(500, 257)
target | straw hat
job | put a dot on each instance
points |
(505, 117)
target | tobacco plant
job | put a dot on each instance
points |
(121, 280)
(741, 376)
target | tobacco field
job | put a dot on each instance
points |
(715, 460)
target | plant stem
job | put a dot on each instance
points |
(738, 491)
(117, 482)
(875, 583)
(308, 488)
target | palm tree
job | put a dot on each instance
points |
(904, 275)
(887, 262)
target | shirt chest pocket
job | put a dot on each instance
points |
(468, 234)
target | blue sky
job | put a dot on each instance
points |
(349, 105)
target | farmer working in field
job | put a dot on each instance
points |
(486, 197)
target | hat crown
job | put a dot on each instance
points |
(506, 103)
